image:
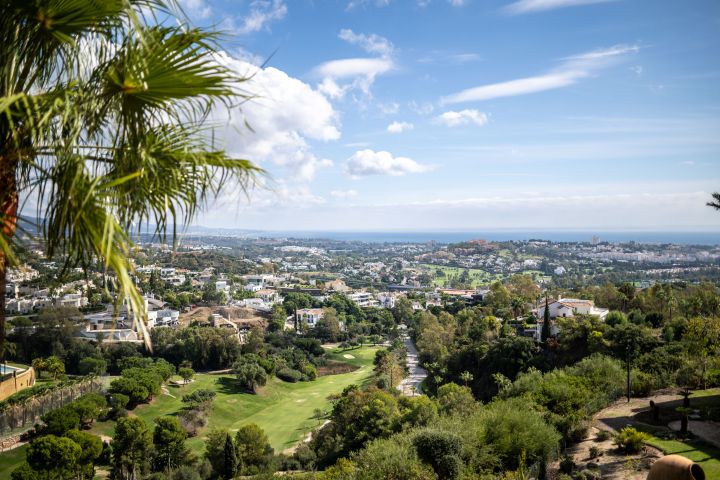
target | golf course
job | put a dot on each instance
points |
(286, 411)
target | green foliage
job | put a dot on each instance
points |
(53, 456)
(186, 373)
(169, 440)
(92, 366)
(205, 347)
(289, 375)
(59, 421)
(453, 398)
(130, 446)
(442, 450)
(382, 459)
(253, 449)
(630, 440)
(199, 399)
(249, 373)
(513, 427)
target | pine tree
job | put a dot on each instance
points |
(545, 333)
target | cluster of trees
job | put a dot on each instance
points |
(373, 434)
(247, 453)
(140, 379)
(61, 450)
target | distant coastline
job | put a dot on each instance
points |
(680, 238)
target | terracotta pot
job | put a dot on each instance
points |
(675, 467)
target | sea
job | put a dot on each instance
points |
(651, 237)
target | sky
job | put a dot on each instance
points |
(471, 114)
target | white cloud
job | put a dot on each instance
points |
(357, 3)
(637, 70)
(463, 117)
(261, 13)
(358, 73)
(285, 115)
(344, 193)
(196, 8)
(530, 6)
(399, 127)
(368, 162)
(572, 70)
(370, 43)
(458, 3)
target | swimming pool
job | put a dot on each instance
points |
(7, 369)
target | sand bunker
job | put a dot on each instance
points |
(347, 355)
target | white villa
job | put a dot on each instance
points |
(569, 307)
(309, 316)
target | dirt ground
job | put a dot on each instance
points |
(238, 315)
(619, 466)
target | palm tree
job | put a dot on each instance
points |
(103, 108)
(716, 201)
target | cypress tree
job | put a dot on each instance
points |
(230, 463)
(545, 333)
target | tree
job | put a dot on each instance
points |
(53, 457)
(92, 366)
(546, 332)
(130, 447)
(186, 373)
(54, 366)
(702, 339)
(169, 440)
(60, 420)
(91, 447)
(101, 123)
(250, 374)
(715, 203)
(253, 447)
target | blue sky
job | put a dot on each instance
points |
(474, 114)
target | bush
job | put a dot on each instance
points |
(567, 465)
(603, 435)
(595, 451)
(441, 450)
(289, 375)
(642, 383)
(631, 440)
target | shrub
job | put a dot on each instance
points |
(642, 383)
(603, 435)
(567, 464)
(631, 440)
(441, 450)
(595, 451)
(289, 375)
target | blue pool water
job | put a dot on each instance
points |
(7, 369)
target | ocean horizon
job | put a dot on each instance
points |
(650, 237)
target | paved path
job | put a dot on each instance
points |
(411, 385)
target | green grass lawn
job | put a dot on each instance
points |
(283, 410)
(702, 453)
(10, 460)
(477, 277)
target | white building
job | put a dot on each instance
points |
(363, 299)
(386, 300)
(309, 316)
(569, 307)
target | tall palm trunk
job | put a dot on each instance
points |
(8, 223)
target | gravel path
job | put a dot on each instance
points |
(411, 385)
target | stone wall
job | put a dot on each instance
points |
(17, 382)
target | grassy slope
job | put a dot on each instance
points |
(283, 410)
